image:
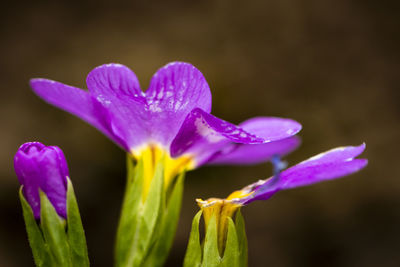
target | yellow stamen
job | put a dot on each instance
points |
(152, 155)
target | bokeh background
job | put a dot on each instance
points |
(332, 65)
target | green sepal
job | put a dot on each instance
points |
(231, 252)
(194, 251)
(53, 228)
(211, 255)
(208, 255)
(149, 217)
(165, 234)
(242, 239)
(129, 212)
(138, 224)
(75, 232)
(38, 246)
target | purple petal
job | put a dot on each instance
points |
(28, 174)
(271, 128)
(113, 80)
(302, 176)
(174, 91)
(210, 139)
(242, 154)
(54, 181)
(117, 91)
(116, 105)
(75, 101)
(61, 162)
(202, 134)
(332, 164)
(71, 99)
(339, 154)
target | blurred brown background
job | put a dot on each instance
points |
(332, 65)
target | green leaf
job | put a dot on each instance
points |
(166, 231)
(231, 252)
(53, 228)
(194, 251)
(75, 232)
(39, 248)
(129, 212)
(242, 239)
(211, 255)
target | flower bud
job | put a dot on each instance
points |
(40, 167)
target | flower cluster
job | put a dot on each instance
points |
(166, 130)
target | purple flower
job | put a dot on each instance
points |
(40, 167)
(172, 116)
(329, 165)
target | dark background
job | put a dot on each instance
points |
(332, 65)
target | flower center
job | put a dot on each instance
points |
(152, 155)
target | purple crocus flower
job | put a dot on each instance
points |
(329, 165)
(172, 117)
(40, 167)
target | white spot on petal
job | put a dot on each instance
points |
(204, 130)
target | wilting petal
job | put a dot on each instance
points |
(174, 91)
(202, 134)
(325, 166)
(242, 154)
(117, 89)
